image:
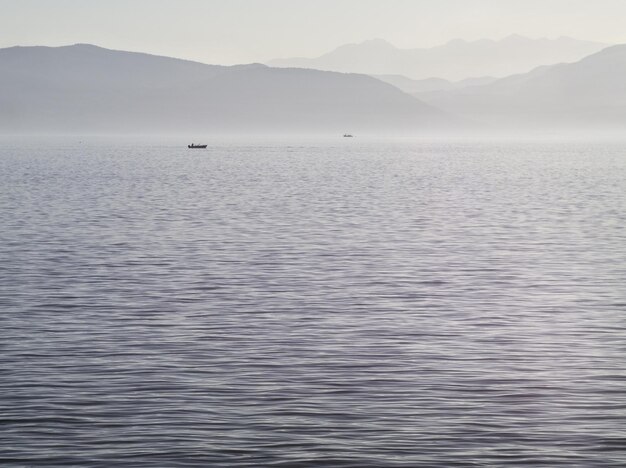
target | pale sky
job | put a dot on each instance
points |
(241, 31)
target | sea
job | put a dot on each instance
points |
(312, 302)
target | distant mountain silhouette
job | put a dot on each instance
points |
(456, 60)
(590, 93)
(428, 85)
(84, 88)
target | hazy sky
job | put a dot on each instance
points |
(236, 31)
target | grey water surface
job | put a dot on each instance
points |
(331, 303)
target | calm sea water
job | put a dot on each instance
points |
(345, 303)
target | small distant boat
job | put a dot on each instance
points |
(347, 135)
(196, 146)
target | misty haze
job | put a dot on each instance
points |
(346, 233)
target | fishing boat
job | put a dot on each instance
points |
(196, 146)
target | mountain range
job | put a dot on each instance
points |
(428, 85)
(588, 94)
(88, 89)
(84, 88)
(455, 60)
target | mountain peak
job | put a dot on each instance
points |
(456, 60)
(83, 47)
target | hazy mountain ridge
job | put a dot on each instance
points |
(588, 93)
(428, 85)
(456, 60)
(85, 88)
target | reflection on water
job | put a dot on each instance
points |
(344, 303)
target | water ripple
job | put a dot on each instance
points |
(376, 304)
